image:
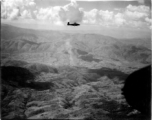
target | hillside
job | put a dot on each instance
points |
(57, 48)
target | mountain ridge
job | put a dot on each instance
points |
(59, 48)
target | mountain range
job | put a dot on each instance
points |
(57, 48)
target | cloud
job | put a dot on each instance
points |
(14, 14)
(140, 8)
(119, 19)
(13, 9)
(106, 15)
(71, 13)
(109, 18)
(25, 14)
(91, 17)
(50, 14)
(27, 9)
(132, 16)
(137, 12)
(104, 18)
(149, 22)
(95, 16)
(135, 15)
(8, 11)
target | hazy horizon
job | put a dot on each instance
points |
(84, 29)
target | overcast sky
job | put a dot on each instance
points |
(109, 14)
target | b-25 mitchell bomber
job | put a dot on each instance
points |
(74, 24)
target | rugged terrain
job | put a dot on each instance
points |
(57, 48)
(74, 76)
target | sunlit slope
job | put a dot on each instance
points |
(60, 48)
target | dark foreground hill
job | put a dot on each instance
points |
(137, 90)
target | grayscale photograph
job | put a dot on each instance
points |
(75, 59)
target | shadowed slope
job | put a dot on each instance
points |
(22, 77)
(16, 74)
